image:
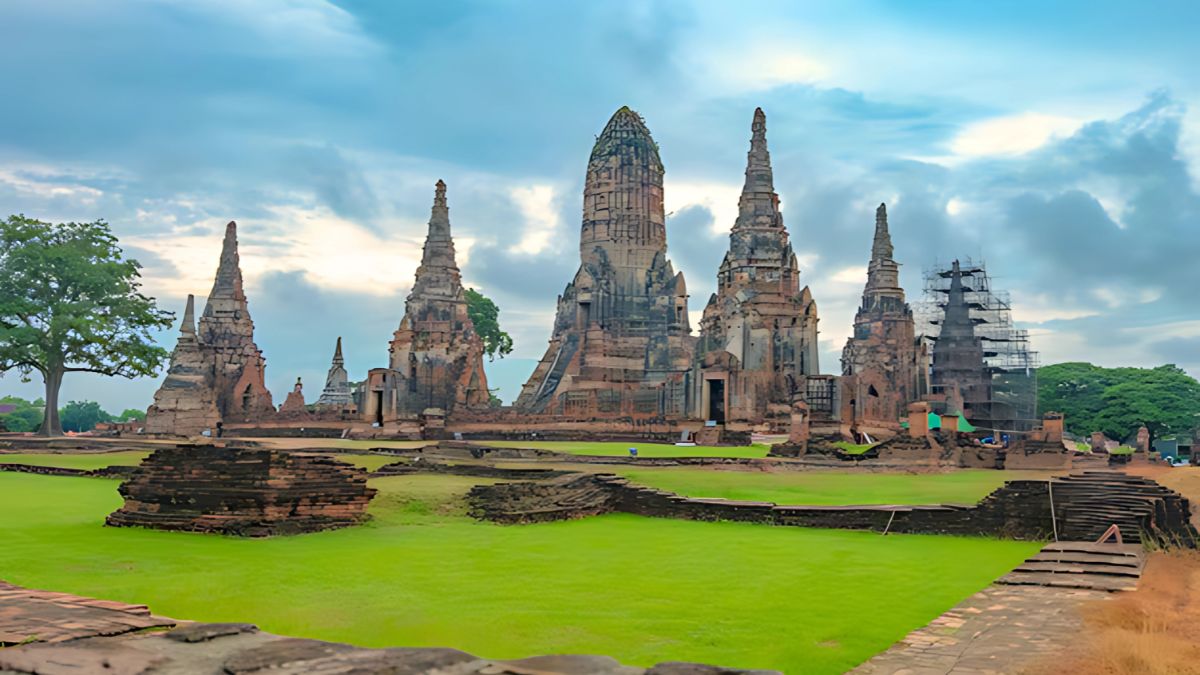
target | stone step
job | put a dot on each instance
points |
(1087, 557)
(1096, 582)
(1080, 568)
(1128, 550)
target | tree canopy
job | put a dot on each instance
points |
(1116, 401)
(486, 316)
(71, 302)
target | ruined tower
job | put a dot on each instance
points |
(228, 331)
(185, 403)
(884, 356)
(758, 334)
(337, 383)
(435, 356)
(219, 365)
(959, 371)
(621, 341)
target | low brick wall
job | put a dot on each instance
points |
(240, 491)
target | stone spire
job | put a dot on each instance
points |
(337, 382)
(438, 275)
(881, 249)
(187, 328)
(623, 220)
(758, 207)
(226, 320)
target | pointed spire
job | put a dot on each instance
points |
(337, 353)
(439, 217)
(228, 283)
(882, 248)
(758, 206)
(188, 326)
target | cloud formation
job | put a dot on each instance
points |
(321, 127)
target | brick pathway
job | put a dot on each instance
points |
(1000, 629)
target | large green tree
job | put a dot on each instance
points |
(71, 302)
(486, 316)
(1117, 401)
(82, 416)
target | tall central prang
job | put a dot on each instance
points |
(621, 342)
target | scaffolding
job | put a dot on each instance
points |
(1009, 362)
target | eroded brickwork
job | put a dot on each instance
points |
(435, 356)
(216, 373)
(758, 334)
(886, 359)
(621, 343)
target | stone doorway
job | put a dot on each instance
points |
(378, 407)
(715, 395)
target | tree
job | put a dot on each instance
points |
(70, 302)
(486, 316)
(1116, 401)
(24, 416)
(82, 416)
(132, 414)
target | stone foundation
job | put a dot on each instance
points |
(239, 491)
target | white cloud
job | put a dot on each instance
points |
(856, 275)
(1012, 135)
(539, 205)
(758, 67)
(955, 206)
(721, 199)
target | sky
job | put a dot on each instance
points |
(1057, 142)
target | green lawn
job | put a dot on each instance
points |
(422, 574)
(86, 461)
(827, 487)
(607, 449)
(134, 457)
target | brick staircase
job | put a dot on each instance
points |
(1088, 503)
(1078, 564)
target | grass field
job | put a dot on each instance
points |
(85, 461)
(608, 449)
(827, 487)
(422, 574)
(134, 457)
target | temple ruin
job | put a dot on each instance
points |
(983, 366)
(885, 362)
(216, 373)
(435, 357)
(621, 343)
(337, 393)
(758, 334)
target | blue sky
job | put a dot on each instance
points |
(1058, 141)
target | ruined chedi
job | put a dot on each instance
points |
(621, 341)
(436, 358)
(885, 356)
(758, 334)
(219, 362)
(959, 371)
(337, 392)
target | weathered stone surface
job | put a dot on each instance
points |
(436, 358)
(203, 632)
(336, 393)
(886, 359)
(240, 491)
(293, 407)
(621, 343)
(758, 334)
(216, 373)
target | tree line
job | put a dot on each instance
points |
(75, 416)
(1117, 401)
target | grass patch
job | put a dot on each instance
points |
(337, 443)
(1121, 450)
(368, 462)
(852, 448)
(84, 461)
(827, 488)
(421, 574)
(613, 449)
